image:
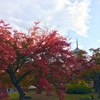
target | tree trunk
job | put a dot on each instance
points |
(99, 88)
(16, 85)
(99, 94)
(20, 91)
(95, 85)
(39, 90)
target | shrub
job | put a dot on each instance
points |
(77, 89)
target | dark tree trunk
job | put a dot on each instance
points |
(98, 87)
(95, 85)
(16, 81)
(39, 90)
(20, 91)
(16, 84)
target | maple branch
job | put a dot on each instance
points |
(18, 66)
(24, 75)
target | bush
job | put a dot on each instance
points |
(77, 89)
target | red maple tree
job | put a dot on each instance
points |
(43, 55)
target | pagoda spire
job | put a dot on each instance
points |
(76, 43)
(77, 49)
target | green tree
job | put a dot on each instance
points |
(93, 73)
(95, 63)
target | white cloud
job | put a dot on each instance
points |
(66, 14)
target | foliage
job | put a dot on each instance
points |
(95, 69)
(3, 94)
(81, 88)
(95, 56)
(92, 73)
(41, 58)
(82, 64)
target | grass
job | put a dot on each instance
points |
(14, 96)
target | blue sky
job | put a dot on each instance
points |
(73, 18)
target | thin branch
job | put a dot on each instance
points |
(24, 75)
(18, 66)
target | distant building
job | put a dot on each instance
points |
(76, 50)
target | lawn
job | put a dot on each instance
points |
(14, 96)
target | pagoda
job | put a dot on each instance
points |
(76, 50)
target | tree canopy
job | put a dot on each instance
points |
(42, 55)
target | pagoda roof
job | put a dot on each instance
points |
(76, 50)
